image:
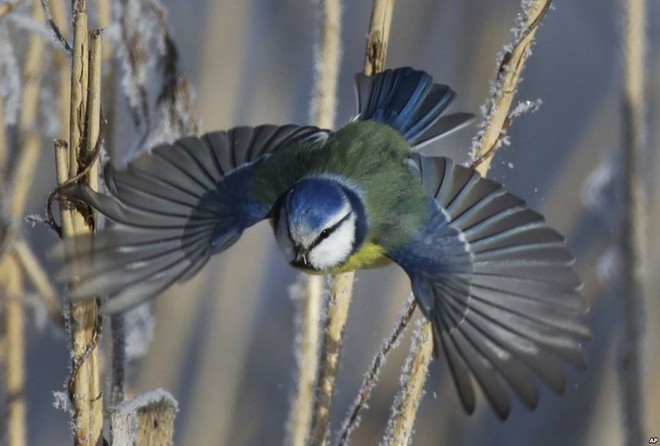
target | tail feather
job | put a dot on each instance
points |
(409, 101)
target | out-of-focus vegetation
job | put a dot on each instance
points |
(222, 344)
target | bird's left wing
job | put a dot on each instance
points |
(173, 207)
(496, 283)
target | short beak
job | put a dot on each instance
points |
(301, 257)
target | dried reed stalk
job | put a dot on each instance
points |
(311, 408)
(145, 420)
(633, 107)
(323, 110)
(497, 119)
(12, 277)
(39, 279)
(11, 288)
(341, 289)
(84, 128)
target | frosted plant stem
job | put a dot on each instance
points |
(497, 109)
(328, 54)
(404, 411)
(84, 383)
(341, 289)
(634, 145)
(368, 383)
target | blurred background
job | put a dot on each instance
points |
(222, 344)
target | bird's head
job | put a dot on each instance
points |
(319, 224)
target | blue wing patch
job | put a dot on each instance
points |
(173, 207)
(497, 285)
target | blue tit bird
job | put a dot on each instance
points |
(494, 280)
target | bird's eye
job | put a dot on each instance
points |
(324, 234)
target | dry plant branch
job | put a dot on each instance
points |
(307, 359)
(341, 289)
(62, 65)
(12, 279)
(145, 420)
(379, 34)
(9, 7)
(35, 272)
(11, 284)
(52, 22)
(504, 87)
(400, 426)
(307, 345)
(497, 116)
(633, 108)
(84, 128)
(370, 380)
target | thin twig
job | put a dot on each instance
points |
(634, 146)
(35, 272)
(370, 380)
(498, 105)
(59, 35)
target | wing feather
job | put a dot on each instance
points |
(174, 207)
(504, 300)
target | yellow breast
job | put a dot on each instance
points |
(370, 255)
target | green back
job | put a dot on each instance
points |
(369, 156)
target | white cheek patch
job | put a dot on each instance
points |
(336, 248)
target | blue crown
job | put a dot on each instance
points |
(312, 201)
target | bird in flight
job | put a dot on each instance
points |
(494, 280)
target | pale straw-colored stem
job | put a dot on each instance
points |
(633, 107)
(63, 67)
(84, 381)
(341, 289)
(11, 288)
(505, 85)
(400, 426)
(9, 7)
(323, 110)
(12, 279)
(35, 272)
(379, 34)
(497, 118)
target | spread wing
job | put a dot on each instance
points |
(497, 284)
(173, 207)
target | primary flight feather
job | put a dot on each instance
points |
(494, 280)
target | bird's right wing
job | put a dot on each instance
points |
(497, 284)
(173, 207)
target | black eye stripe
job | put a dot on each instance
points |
(328, 231)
